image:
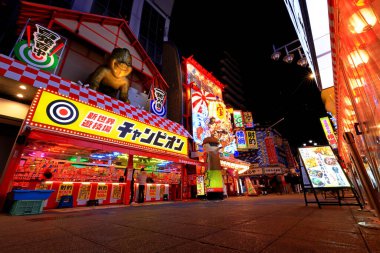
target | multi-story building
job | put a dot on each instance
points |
(80, 137)
(230, 75)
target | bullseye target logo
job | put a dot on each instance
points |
(39, 50)
(156, 109)
(62, 112)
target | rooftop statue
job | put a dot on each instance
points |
(112, 78)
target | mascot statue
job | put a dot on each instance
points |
(214, 178)
(112, 78)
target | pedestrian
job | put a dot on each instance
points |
(132, 197)
(141, 180)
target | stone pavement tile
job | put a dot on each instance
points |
(327, 236)
(182, 230)
(20, 224)
(267, 226)
(373, 242)
(333, 226)
(145, 242)
(110, 232)
(22, 237)
(194, 247)
(57, 245)
(297, 245)
(217, 222)
(239, 240)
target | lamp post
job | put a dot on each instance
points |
(289, 48)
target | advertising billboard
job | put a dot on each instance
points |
(322, 167)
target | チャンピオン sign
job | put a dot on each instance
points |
(61, 114)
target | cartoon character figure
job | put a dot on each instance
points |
(214, 177)
(112, 78)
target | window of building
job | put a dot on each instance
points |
(67, 4)
(113, 8)
(151, 34)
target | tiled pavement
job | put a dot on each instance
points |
(272, 223)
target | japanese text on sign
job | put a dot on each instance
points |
(64, 190)
(101, 192)
(85, 120)
(240, 138)
(149, 136)
(251, 139)
(98, 122)
(44, 41)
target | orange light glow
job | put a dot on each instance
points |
(347, 101)
(358, 57)
(355, 83)
(362, 21)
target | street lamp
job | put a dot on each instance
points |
(289, 57)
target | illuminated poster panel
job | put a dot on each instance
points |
(322, 167)
(241, 140)
(211, 118)
(329, 132)
(200, 186)
(251, 140)
(238, 118)
(248, 120)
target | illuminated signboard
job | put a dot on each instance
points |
(251, 139)
(238, 118)
(40, 47)
(240, 139)
(248, 120)
(271, 150)
(329, 132)
(322, 167)
(61, 114)
(157, 104)
(196, 77)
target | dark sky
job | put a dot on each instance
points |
(205, 29)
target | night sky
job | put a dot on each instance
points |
(205, 29)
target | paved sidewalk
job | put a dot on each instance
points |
(272, 223)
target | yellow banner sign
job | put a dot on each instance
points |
(58, 113)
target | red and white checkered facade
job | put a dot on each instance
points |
(13, 69)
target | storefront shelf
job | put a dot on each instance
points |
(26, 207)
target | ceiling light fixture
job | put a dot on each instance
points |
(20, 95)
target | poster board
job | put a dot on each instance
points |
(322, 173)
(322, 167)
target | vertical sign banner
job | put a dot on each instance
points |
(200, 186)
(240, 139)
(329, 132)
(64, 190)
(238, 118)
(101, 192)
(116, 191)
(84, 192)
(271, 150)
(157, 104)
(248, 120)
(251, 139)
